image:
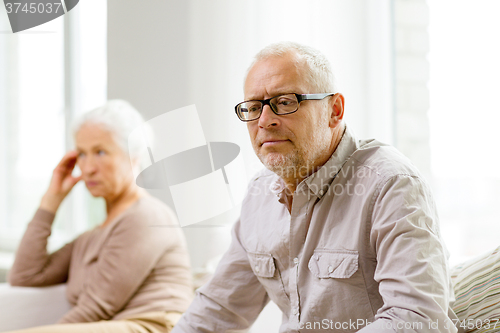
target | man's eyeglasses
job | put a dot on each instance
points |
(280, 105)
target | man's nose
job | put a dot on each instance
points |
(268, 117)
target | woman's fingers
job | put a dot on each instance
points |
(65, 167)
(72, 182)
(69, 157)
(68, 161)
(61, 177)
(61, 183)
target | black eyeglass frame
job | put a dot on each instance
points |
(300, 98)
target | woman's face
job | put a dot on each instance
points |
(105, 167)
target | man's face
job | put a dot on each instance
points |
(290, 145)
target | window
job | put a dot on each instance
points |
(48, 74)
(32, 120)
(464, 116)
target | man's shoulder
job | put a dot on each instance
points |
(383, 159)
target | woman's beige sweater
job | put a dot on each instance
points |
(135, 264)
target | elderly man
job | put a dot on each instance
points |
(341, 234)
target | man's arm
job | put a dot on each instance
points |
(411, 260)
(231, 300)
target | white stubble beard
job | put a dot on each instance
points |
(297, 164)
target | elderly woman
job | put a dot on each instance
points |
(124, 275)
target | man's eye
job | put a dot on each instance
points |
(253, 107)
(285, 101)
(101, 152)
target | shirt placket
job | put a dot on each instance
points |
(298, 220)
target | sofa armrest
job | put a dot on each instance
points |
(24, 307)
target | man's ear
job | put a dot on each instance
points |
(336, 107)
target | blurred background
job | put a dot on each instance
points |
(421, 75)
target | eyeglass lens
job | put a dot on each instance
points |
(280, 104)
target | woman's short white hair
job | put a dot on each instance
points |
(117, 116)
(319, 72)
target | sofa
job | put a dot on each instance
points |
(476, 286)
(24, 307)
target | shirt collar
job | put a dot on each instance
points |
(319, 181)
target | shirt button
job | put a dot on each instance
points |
(321, 192)
(295, 311)
(257, 269)
(330, 269)
(295, 261)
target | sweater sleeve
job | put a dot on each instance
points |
(125, 260)
(33, 265)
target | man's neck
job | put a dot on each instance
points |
(291, 183)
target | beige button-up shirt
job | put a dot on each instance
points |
(360, 250)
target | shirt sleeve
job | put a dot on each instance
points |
(123, 263)
(231, 300)
(412, 269)
(33, 265)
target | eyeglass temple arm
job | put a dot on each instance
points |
(304, 97)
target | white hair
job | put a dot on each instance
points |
(318, 73)
(118, 117)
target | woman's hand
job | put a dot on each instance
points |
(61, 183)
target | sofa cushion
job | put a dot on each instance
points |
(476, 284)
(23, 307)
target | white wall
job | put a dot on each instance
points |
(148, 64)
(147, 54)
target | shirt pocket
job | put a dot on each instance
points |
(338, 287)
(264, 267)
(262, 264)
(337, 264)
